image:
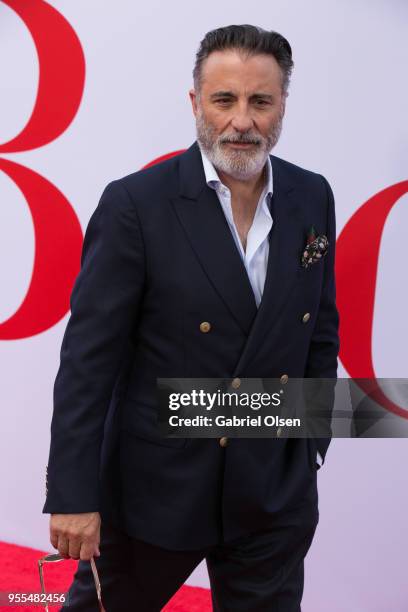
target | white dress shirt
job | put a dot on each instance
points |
(255, 256)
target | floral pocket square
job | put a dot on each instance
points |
(315, 249)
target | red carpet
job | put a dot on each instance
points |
(19, 573)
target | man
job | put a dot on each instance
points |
(192, 268)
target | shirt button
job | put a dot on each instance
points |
(224, 441)
(236, 383)
(284, 379)
(306, 317)
(205, 327)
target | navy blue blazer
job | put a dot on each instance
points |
(150, 274)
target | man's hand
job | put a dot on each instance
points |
(76, 536)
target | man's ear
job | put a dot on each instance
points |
(193, 97)
(283, 103)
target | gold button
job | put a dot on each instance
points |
(205, 327)
(306, 317)
(279, 431)
(223, 441)
(284, 379)
(236, 383)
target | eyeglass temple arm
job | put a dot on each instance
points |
(57, 557)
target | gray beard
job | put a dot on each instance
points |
(240, 165)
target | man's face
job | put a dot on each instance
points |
(239, 111)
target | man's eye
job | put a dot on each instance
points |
(261, 102)
(223, 101)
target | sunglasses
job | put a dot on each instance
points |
(57, 557)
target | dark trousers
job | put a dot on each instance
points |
(261, 572)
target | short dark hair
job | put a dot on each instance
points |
(250, 39)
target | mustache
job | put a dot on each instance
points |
(241, 139)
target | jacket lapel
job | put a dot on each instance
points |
(203, 220)
(207, 230)
(283, 268)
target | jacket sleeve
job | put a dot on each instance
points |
(104, 307)
(324, 347)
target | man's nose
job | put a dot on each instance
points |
(242, 121)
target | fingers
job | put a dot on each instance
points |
(76, 536)
(54, 539)
(73, 548)
(63, 546)
(88, 550)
